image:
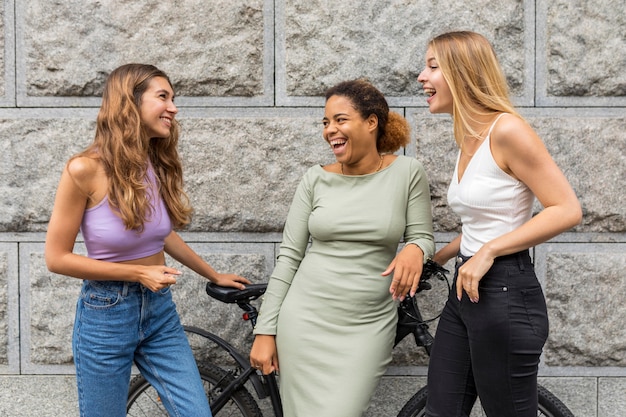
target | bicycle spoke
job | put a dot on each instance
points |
(147, 404)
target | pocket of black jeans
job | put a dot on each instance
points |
(536, 310)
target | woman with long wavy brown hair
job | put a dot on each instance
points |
(124, 193)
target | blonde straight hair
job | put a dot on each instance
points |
(469, 64)
(124, 148)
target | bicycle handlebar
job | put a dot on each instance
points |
(409, 316)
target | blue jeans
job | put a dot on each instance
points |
(490, 348)
(121, 322)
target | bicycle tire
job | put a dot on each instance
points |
(144, 401)
(416, 406)
(549, 405)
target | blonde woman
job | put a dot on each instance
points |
(124, 193)
(494, 325)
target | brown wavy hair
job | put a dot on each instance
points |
(123, 146)
(393, 129)
(469, 65)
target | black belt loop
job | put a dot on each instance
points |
(461, 259)
(520, 261)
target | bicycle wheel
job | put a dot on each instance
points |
(416, 406)
(549, 405)
(144, 401)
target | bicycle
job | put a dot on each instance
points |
(224, 384)
(225, 387)
(411, 321)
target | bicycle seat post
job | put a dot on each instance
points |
(250, 311)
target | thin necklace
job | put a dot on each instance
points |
(380, 165)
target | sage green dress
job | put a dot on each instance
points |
(329, 306)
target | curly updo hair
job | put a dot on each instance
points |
(393, 129)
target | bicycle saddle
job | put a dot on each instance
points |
(234, 295)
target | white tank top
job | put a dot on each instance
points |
(489, 201)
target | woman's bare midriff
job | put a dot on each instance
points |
(156, 259)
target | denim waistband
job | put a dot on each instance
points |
(121, 287)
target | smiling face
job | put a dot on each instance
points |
(435, 86)
(157, 108)
(351, 137)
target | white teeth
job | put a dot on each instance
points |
(336, 142)
(429, 91)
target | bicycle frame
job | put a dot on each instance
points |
(264, 386)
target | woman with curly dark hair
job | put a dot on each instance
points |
(329, 313)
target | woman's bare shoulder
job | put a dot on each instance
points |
(84, 168)
(513, 132)
(88, 174)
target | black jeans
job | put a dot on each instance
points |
(490, 348)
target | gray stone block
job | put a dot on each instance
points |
(578, 394)
(9, 309)
(47, 307)
(208, 48)
(3, 46)
(580, 40)
(41, 396)
(572, 39)
(366, 44)
(612, 402)
(33, 153)
(4, 308)
(591, 151)
(582, 287)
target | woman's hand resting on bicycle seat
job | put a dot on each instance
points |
(230, 280)
(263, 355)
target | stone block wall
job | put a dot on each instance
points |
(249, 77)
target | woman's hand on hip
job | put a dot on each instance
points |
(470, 274)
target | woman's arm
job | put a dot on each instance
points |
(176, 247)
(448, 252)
(408, 264)
(522, 154)
(292, 249)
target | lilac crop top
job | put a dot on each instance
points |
(107, 239)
